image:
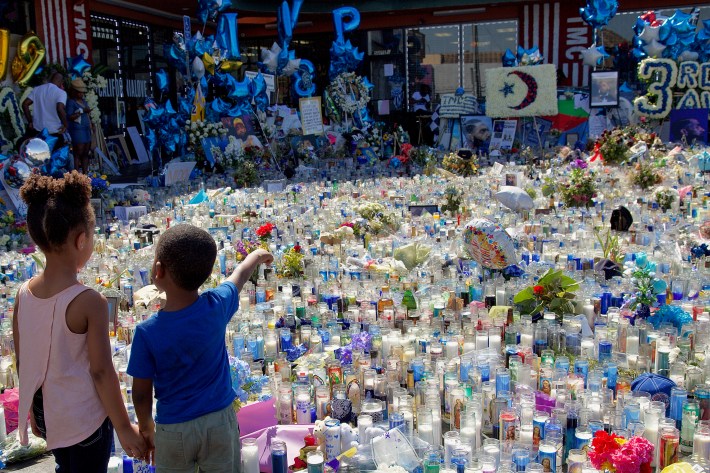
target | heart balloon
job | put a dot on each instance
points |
(489, 244)
(30, 52)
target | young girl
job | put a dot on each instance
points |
(67, 380)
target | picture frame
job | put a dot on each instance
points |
(572, 139)
(118, 151)
(604, 89)
(98, 206)
(476, 132)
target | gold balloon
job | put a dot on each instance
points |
(30, 52)
(209, 63)
(228, 66)
(4, 51)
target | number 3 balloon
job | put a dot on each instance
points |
(30, 53)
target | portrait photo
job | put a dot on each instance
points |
(604, 89)
(243, 129)
(476, 132)
(689, 125)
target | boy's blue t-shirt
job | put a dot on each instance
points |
(185, 354)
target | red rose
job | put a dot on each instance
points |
(538, 290)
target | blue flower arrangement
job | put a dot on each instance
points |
(670, 313)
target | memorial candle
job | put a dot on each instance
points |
(250, 456)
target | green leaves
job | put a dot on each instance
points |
(557, 294)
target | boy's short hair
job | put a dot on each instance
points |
(188, 253)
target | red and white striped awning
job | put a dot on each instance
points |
(64, 28)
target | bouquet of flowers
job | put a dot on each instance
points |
(614, 453)
(244, 247)
(264, 232)
(291, 265)
(94, 83)
(12, 231)
(665, 198)
(613, 145)
(580, 189)
(99, 185)
(553, 292)
(645, 175)
(377, 218)
(453, 202)
(643, 277)
(203, 129)
(458, 165)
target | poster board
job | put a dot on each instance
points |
(453, 106)
(311, 115)
(178, 171)
(14, 195)
(503, 134)
(117, 151)
(141, 152)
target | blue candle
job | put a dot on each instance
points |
(279, 460)
(605, 347)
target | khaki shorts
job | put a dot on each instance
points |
(210, 443)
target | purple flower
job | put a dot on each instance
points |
(578, 164)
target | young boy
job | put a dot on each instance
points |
(181, 352)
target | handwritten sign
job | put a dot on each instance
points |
(453, 106)
(311, 117)
(14, 195)
(178, 172)
(126, 214)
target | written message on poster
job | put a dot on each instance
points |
(311, 116)
(453, 106)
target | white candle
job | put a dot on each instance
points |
(436, 428)
(303, 408)
(494, 342)
(632, 345)
(426, 433)
(363, 423)
(526, 435)
(701, 446)
(250, 458)
(526, 339)
(452, 348)
(468, 346)
(500, 296)
(270, 346)
(481, 340)
(468, 437)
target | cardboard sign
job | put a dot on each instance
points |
(453, 106)
(141, 152)
(311, 116)
(126, 214)
(178, 172)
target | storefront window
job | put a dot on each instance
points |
(106, 52)
(433, 64)
(387, 72)
(136, 53)
(483, 46)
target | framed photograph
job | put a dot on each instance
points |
(604, 89)
(476, 132)
(689, 125)
(118, 151)
(244, 128)
(572, 139)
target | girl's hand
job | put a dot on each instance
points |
(132, 441)
(33, 425)
(264, 256)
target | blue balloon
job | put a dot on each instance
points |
(176, 57)
(680, 21)
(228, 37)
(47, 138)
(207, 9)
(344, 57)
(162, 81)
(345, 19)
(77, 66)
(225, 5)
(597, 13)
(58, 164)
(303, 85)
(257, 89)
(509, 59)
(239, 90)
(284, 24)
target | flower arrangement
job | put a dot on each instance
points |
(244, 247)
(203, 129)
(579, 189)
(673, 314)
(376, 218)
(665, 198)
(614, 145)
(247, 386)
(615, 453)
(453, 200)
(246, 175)
(553, 292)
(99, 185)
(463, 167)
(12, 231)
(646, 285)
(93, 84)
(349, 92)
(645, 175)
(291, 265)
(264, 231)
(424, 156)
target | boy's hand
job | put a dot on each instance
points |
(132, 441)
(148, 434)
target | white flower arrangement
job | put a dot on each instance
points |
(233, 153)
(203, 129)
(9, 103)
(94, 83)
(658, 102)
(349, 92)
(521, 91)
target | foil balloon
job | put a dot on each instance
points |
(176, 57)
(16, 172)
(303, 85)
(35, 152)
(30, 52)
(208, 9)
(597, 13)
(594, 55)
(258, 90)
(227, 36)
(209, 63)
(78, 65)
(489, 244)
(239, 89)
(509, 59)
(345, 19)
(198, 68)
(161, 80)
(47, 138)
(4, 51)
(270, 58)
(58, 164)
(229, 66)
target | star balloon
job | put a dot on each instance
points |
(594, 55)
(654, 49)
(650, 33)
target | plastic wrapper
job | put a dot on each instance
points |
(13, 452)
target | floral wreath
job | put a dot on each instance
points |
(349, 92)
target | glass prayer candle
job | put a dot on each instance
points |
(315, 462)
(668, 447)
(701, 441)
(322, 399)
(279, 460)
(303, 405)
(250, 456)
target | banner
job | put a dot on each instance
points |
(521, 91)
(64, 28)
